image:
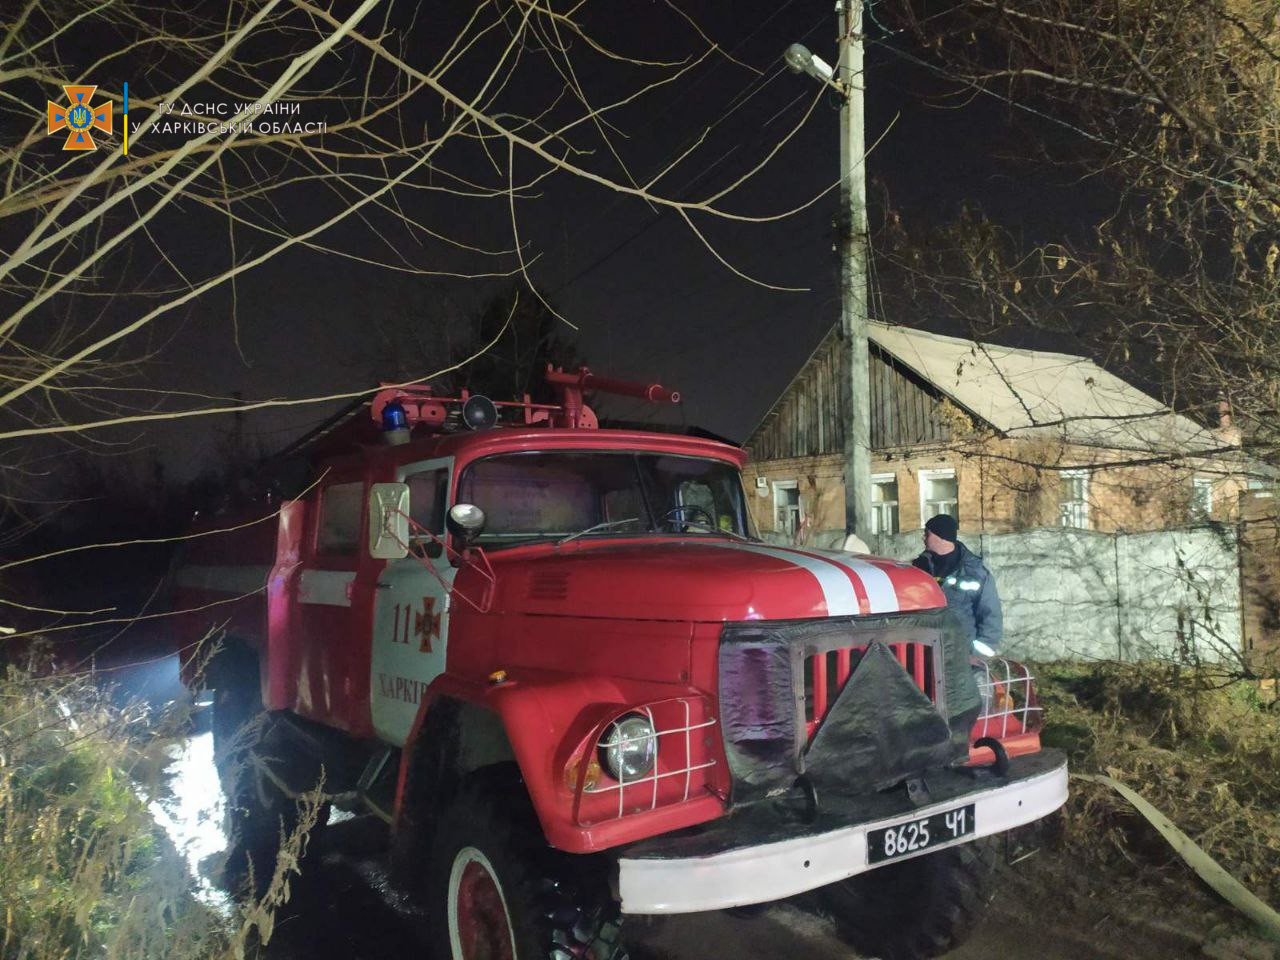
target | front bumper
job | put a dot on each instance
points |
(755, 859)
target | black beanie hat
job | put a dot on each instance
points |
(943, 526)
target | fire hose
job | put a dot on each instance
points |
(1205, 867)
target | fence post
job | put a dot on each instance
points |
(1115, 555)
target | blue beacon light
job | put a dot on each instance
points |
(395, 423)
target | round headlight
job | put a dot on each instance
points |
(629, 748)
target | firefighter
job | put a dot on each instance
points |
(966, 582)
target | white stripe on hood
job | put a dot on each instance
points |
(880, 592)
(832, 571)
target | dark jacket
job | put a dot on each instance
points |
(971, 595)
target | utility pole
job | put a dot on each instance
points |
(853, 271)
(848, 80)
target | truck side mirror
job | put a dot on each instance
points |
(389, 521)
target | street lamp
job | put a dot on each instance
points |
(800, 59)
(847, 78)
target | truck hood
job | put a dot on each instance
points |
(705, 579)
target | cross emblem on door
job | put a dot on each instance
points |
(427, 624)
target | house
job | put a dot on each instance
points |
(1004, 439)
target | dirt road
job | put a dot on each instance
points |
(348, 910)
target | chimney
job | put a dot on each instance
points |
(1227, 430)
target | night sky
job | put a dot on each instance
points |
(649, 300)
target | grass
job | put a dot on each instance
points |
(1202, 748)
(84, 869)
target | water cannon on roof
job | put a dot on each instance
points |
(570, 387)
(399, 411)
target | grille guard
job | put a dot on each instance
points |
(1007, 693)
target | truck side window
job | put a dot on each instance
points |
(340, 515)
(428, 495)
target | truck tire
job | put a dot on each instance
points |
(233, 707)
(254, 830)
(495, 891)
(259, 815)
(919, 908)
(237, 699)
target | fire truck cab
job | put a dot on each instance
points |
(559, 662)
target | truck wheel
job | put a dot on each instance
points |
(233, 707)
(258, 816)
(493, 894)
(919, 908)
(237, 699)
(254, 829)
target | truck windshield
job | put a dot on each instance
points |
(552, 495)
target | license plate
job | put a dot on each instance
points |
(912, 836)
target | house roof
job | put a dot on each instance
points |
(1030, 393)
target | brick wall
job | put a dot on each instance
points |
(1000, 490)
(1260, 579)
(821, 486)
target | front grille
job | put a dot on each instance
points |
(825, 675)
(850, 703)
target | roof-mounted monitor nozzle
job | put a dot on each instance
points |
(571, 386)
(400, 410)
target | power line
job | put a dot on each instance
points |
(739, 101)
(1009, 101)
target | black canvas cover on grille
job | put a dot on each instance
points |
(880, 728)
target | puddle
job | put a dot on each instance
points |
(192, 815)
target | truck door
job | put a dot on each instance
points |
(334, 598)
(411, 607)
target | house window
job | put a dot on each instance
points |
(884, 503)
(340, 516)
(786, 504)
(1073, 499)
(1201, 498)
(939, 493)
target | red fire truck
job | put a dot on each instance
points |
(559, 662)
